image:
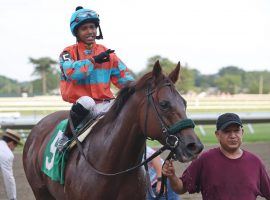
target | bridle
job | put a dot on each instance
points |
(172, 141)
(168, 131)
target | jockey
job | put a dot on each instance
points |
(88, 69)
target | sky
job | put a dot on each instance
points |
(205, 35)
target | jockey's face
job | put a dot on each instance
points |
(230, 138)
(87, 33)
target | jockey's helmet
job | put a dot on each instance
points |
(81, 16)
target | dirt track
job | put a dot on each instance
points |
(24, 191)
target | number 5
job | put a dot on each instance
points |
(49, 164)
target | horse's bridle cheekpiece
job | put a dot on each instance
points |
(172, 141)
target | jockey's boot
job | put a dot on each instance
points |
(83, 107)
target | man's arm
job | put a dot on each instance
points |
(9, 181)
(157, 165)
(175, 182)
(264, 183)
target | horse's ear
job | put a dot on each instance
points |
(157, 70)
(174, 75)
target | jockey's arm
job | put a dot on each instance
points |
(75, 70)
(120, 75)
(175, 182)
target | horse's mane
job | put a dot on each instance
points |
(124, 94)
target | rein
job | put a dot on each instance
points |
(117, 173)
(172, 141)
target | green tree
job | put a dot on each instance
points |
(205, 81)
(9, 87)
(229, 83)
(252, 82)
(43, 66)
(230, 79)
(231, 70)
(52, 78)
(187, 76)
(187, 79)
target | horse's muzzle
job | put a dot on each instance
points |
(187, 151)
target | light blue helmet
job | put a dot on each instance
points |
(82, 15)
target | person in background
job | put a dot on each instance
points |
(88, 69)
(8, 143)
(155, 172)
(225, 172)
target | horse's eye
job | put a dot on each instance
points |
(164, 105)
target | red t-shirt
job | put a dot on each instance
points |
(220, 178)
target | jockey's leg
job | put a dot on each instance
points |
(81, 109)
(84, 106)
(103, 107)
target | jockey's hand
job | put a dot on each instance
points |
(103, 57)
(168, 169)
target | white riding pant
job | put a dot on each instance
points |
(89, 104)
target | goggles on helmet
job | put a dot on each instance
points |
(85, 15)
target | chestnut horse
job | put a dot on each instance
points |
(149, 108)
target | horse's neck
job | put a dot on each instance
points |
(119, 143)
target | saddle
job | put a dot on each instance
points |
(83, 129)
(54, 162)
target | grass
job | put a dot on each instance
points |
(261, 134)
(234, 110)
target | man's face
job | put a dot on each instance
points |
(87, 33)
(230, 138)
(12, 145)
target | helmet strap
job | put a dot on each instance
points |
(100, 36)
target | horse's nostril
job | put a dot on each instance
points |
(191, 146)
(194, 147)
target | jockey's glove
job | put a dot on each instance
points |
(103, 57)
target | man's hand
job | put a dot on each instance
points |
(168, 169)
(176, 183)
(103, 57)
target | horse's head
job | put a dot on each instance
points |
(163, 114)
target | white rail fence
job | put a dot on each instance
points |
(24, 113)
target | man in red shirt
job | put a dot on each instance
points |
(88, 69)
(224, 173)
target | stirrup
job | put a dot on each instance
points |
(62, 143)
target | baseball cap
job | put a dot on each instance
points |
(227, 119)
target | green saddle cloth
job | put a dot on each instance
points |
(54, 162)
